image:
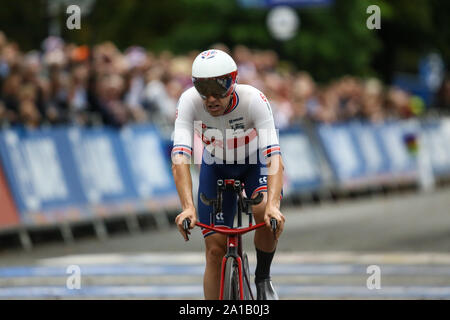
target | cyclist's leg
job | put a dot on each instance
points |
(256, 182)
(215, 243)
(265, 244)
(215, 250)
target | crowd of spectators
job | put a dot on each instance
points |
(62, 83)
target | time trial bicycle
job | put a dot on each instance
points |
(235, 276)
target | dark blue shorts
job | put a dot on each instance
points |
(250, 174)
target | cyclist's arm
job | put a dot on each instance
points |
(182, 150)
(269, 145)
(183, 181)
(274, 181)
(181, 159)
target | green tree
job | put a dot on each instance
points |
(332, 41)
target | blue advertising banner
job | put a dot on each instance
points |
(148, 164)
(291, 3)
(368, 154)
(99, 163)
(342, 154)
(402, 163)
(41, 179)
(302, 168)
(374, 161)
(73, 173)
(436, 137)
(298, 3)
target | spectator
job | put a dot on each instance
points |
(78, 102)
(66, 83)
(107, 100)
(305, 101)
(372, 101)
(28, 112)
(10, 94)
(397, 103)
(137, 62)
(443, 96)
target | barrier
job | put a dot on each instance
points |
(362, 154)
(41, 176)
(374, 160)
(9, 216)
(342, 154)
(300, 159)
(402, 164)
(436, 135)
(70, 174)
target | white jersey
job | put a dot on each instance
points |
(247, 126)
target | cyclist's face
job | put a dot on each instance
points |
(216, 106)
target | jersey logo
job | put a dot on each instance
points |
(263, 97)
(219, 216)
(208, 54)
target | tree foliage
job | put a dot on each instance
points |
(331, 41)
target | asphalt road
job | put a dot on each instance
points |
(324, 252)
(411, 221)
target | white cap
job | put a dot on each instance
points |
(213, 63)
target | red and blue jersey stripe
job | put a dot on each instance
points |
(182, 149)
(234, 103)
(271, 150)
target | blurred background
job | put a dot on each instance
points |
(87, 106)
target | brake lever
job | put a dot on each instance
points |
(273, 224)
(186, 224)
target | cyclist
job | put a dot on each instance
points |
(237, 128)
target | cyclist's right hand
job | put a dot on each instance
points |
(186, 214)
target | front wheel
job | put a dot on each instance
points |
(231, 280)
(246, 274)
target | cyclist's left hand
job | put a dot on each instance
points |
(274, 212)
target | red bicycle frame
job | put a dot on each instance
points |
(234, 248)
(234, 235)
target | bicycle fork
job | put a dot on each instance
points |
(234, 245)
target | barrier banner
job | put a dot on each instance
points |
(393, 135)
(302, 169)
(341, 151)
(9, 217)
(363, 154)
(436, 135)
(374, 160)
(41, 179)
(101, 169)
(148, 165)
(73, 173)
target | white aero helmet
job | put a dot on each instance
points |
(214, 73)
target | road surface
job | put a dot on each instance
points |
(324, 252)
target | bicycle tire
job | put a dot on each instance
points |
(246, 277)
(231, 280)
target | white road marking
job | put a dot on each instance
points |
(347, 270)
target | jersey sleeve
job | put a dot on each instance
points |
(184, 127)
(261, 112)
